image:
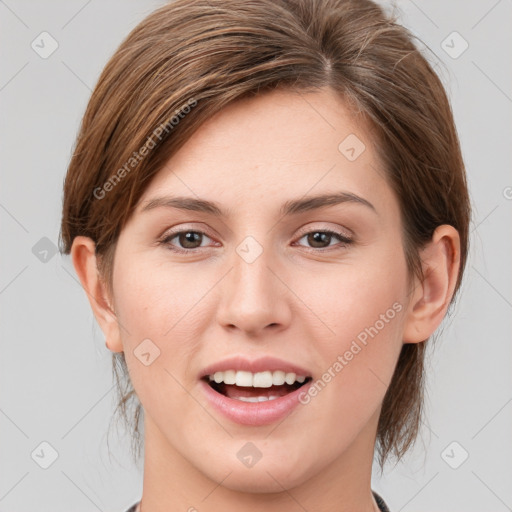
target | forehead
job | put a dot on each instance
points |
(281, 144)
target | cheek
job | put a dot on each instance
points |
(151, 298)
(154, 309)
(359, 338)
(158, 303)
(350, 298)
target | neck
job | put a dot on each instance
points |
(171, 482)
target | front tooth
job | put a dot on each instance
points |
(262, 380)
(230, 377)
(290, 378)
(278, 378)
(243, 378)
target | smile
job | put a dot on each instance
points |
(255, 387)
(254, 397)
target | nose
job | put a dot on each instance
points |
(254, 297)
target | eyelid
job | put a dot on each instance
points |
(343, 232)
(179, 228)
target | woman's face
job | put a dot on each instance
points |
(264, 286)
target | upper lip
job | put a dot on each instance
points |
(240, 363)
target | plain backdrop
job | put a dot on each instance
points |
(56, 386)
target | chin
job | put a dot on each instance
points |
(268, 475)
(261, 482)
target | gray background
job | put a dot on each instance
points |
(55, 378)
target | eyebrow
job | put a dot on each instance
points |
(291, 207)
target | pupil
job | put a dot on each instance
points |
(319, 237)
(189, 238)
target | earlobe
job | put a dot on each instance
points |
(83, 255)
(430, 298)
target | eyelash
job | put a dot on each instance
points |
(345, 241)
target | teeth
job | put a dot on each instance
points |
(278, 378)
(256, 398)
(264, 379)
(290, 378)
(243, 379)
(230, 377)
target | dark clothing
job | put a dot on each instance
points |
(380, 502)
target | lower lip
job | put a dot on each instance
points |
(254, 413)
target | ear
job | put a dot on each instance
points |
(430, 299)
(83, 255)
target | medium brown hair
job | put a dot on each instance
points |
(202, 55)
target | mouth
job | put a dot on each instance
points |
(255, 392)
(256, 387)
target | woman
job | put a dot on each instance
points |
(268, 210)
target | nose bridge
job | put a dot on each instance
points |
(253, 298)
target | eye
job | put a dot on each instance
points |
(189, 240)
(321, 239)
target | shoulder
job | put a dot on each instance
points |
(134, 507)
(380, 502)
